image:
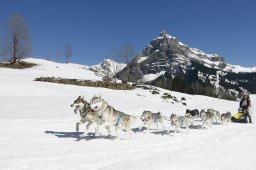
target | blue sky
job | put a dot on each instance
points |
(227, 28)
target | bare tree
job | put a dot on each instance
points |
(17, 42)
(124, 54)
(68, 52)
(57, 55)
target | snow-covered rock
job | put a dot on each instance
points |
(107, 68)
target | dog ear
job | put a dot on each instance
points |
(83, 97)
(79, 97)
(99, 96)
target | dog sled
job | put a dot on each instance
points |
(239, 117)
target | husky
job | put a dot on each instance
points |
(86, 115)
(225, 117)
(189, 118)
(216, 114)
(207, 117)
(193, 113)
(176, 121)
(149, 117)
(110, 116)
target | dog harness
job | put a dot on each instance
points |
(85, 110)
(118, 119)
(188, 115)
(156, 116)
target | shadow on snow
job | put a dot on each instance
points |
(77, 135)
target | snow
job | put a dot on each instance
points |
(208, 63)
(108, 66)
(217, 83)
(158, 38)
(239, 69)
(151, 77)
(203, 57)
(37, 128)
(142, 59)
(49, 68)
(180, 43)
(197, 51)
(165, 35)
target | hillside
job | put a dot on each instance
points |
(37, 127)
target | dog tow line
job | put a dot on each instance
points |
(118, 119)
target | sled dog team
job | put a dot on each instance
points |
(100, 112)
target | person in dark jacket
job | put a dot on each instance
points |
(245, 103)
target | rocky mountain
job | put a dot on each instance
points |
(166, 61)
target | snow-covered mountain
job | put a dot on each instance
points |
(107, 68)
(166, 57)
(37, 127)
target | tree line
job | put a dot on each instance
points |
(196, 87)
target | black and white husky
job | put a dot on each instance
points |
(148, 118)
(86, 115)
(192, 113)
(110, 116)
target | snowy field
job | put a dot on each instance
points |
(37, 128)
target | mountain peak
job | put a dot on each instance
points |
(167, 56)
(164, 34)
(107, 66)
(173, 49)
